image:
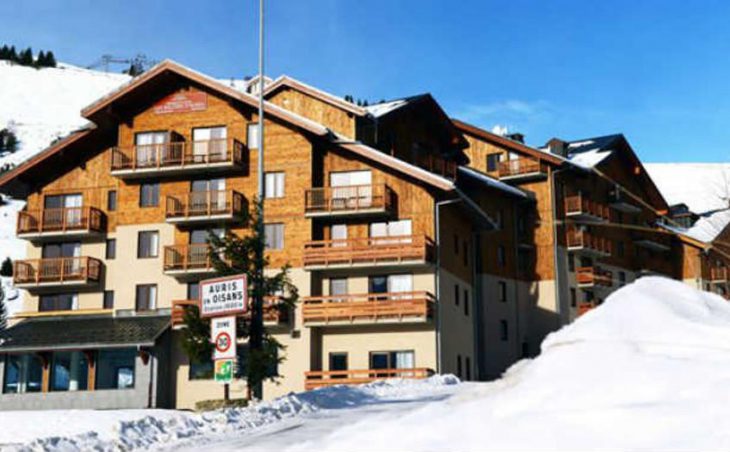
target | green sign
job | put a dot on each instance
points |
(223, 370)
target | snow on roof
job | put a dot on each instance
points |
(706, 228)
(384, 108)
(492, 182)
(589, 159)
(589, 152)
(703, 187)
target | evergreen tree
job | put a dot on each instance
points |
(41, 60)
(3, 310)
(26, 57)
(231, 255)
(4, 52)
(13, 55)
(8, 141)
(6, 268)
(50, 59)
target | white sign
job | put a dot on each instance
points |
(223, 335)
(224, 296)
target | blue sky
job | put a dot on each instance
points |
(658, 71)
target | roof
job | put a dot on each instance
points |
(592, 151)
(707, 228)
(64, 333)
(286, 81)
(384, 108)
(493, 183)
(507, 143)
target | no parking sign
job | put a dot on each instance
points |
(223, 335)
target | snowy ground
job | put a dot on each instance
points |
(648, 370)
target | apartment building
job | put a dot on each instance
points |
(405, 264)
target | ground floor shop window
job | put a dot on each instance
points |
(69, 371)
(115, 369)
(23, 373)
(202, 370)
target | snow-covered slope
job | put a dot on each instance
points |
(702, 186)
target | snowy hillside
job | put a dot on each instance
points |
(702, 186)
(647, 370)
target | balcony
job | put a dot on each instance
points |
(205, 206)
(719, 275)
(319, 379)
(72, 272)
(396, 251)
(366, 309)
(577, 207)
(522, 169)
(188, 260)
(437, 165)
(593, 276)
(652, 241)
(274, 311)
(585, 307)
(356, 200)
(620, 201)
(61, 223)
(587, 243)
(178, 158)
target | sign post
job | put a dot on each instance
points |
(221, 300)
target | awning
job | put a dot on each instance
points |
(73, 333)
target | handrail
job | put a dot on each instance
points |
(62, 219)
(593, 275)
(348, 198)
(520, 166)
(273, 312)
(718, 274)
(368, 250)
(371, 306)
(177, 154)
(316, 379)
(187, 257)
(204, 203)
(61, 269)
(437, 165)
(577, 204)
(577, 238)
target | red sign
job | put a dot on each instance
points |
(182, 102)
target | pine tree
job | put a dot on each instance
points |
(8, 141)
(232, 255)
(26, 57)
(41, 60)
(13, 55)
(3, 310)
(4, 52)
(6, 268)
(50, 59)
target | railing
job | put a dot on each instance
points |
(64, 219)
(521, 167)
(57, 270)
(204, 203)
(367, 307)
(577, 238)
(273, 310)
(368, 250)
(584, 307)
(352, 198)
(187, 257)
(593, 276)
(318, 379)
(719, 274)
(578, 205)
(178, 154)
(437, 165)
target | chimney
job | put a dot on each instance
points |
(516, 136)
(558, 147)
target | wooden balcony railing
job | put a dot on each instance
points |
(584, 307)
(719, 274)
(365, 308)
(203, 204)
(368, 251)
(318, 379)
(583, 240)
(181, 258)
(61, 220)
(274, 312)
(521, 167)
(593, 276)
(580, 206)
(61, 270)
(178, 155)
(437, 165)
(350, 199)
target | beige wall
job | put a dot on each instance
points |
(457, 328)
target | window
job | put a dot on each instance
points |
(339, 232)
(252, 135)
(209, 144)
(193, 291)
(201, 370)
(108, 299)
(111, 248)
(111, 200)
(571, 263)
(55, 250)
(392, 360)
(493, 162)
(115, 369)
(458, 366)
(149, 195)
(147, 244)
(622, 278)
(23, 373)
(467, 367)
(401, 228)
(466, 302)
(502, 291)
(588, 296)
(58, 302)
(501, 256)
(69, 371)
(274, 185)
(149, 147)
(456, 294)
(72, 209)
(146, 297)
(338, 286)
(503, 330)
(338, 361)
(274, 236)
(573, 298)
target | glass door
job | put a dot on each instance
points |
(209, 144)
(150, 148)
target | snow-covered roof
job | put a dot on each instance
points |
(384, 108)
(703, 187)
(707, 227)
(589, 152)
(492, 182)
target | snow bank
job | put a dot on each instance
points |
(140, 429)
(648, 370)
